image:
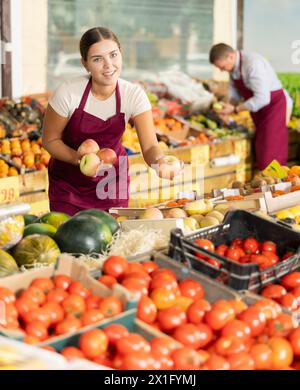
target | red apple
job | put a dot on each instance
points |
(89, 164)
(87, 147)
(169, 167)
(107, 156)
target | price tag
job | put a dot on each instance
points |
(9, 189)
(274, 169)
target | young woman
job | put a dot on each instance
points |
(97, 106)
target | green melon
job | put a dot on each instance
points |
(39, 228)
(30, 218)
(8, 264)
(83, 234)
(54, 218)
(104, 217)
(36, 249)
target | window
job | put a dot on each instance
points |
(155, 35)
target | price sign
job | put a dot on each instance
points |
(9, 189)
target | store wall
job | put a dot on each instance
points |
(225, 24)
(34, 46)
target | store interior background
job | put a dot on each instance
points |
(155, 36)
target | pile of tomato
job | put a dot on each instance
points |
(52, 307)
(225, 334)
(286, 292)
(246, 251)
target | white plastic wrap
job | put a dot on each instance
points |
(183, 87)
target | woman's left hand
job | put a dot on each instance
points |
(169, 167)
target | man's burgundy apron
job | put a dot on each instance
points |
(69, 190)
(271, 137)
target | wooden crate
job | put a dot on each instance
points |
(293, 151)
(38, 201)
(33, 182)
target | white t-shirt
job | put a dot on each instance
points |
(67, 96)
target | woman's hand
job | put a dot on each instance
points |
(169, 167)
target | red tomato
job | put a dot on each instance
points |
(44, 284)
(55, 312)
(289, 301)
(142, 276)
(241, 361)
(238, 242)
(191, 288)
(146, 310)
(229, 345)
(268, 246)
(37, 329)
(92, 302)
(163, 345)
(214, 262)
(78, 289)
(62, 281)
(40, 314)
(108, 280)
(166, 281)
(221, 249)
(251, 245)
(149, 266)
(238, 305)
(237, 328)
(193, 336)
(294, 338)
(220, 313)
(115, 332)
(35, 295)
(7, 295)
(281, 326)
(296, 293)
(262, 356)
(72, 353)
(271, 256)
(216, 362)
(186, 359)
(171, 318)
(68, 325)
(132, 343)
(137, 360)
(291, 280)
(111, 306)
(93, 343)
(24, 305)
(196, 311)
(115, 266)
(255, 319)
(57, 295)
(273, 291)
(74, 304)
(163, 362)
(92, 316)
(259, 259)
(233, 253)
(205, 244)
(245, 259)
(135, 286)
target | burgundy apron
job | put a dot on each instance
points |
(69, 190)
(271, 137)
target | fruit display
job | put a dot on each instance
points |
(26, 154)
(291, 82)
(55, 306)
(11, 231)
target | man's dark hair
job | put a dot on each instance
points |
(219, 51)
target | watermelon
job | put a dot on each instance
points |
(104, 217)
(39, 228)
(36, 249)
(83, 234)
(8, 264)
(30, 218)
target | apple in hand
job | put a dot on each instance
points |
(169, 167)
(87, 147)
(107, 156)
(89, 164)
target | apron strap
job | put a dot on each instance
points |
(85, 94)
(118, 99)
(241, 60)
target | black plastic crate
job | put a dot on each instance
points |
(238, 224)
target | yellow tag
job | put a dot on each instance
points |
(9, 189)
(274, 169)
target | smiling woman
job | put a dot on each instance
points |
(95, 109)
